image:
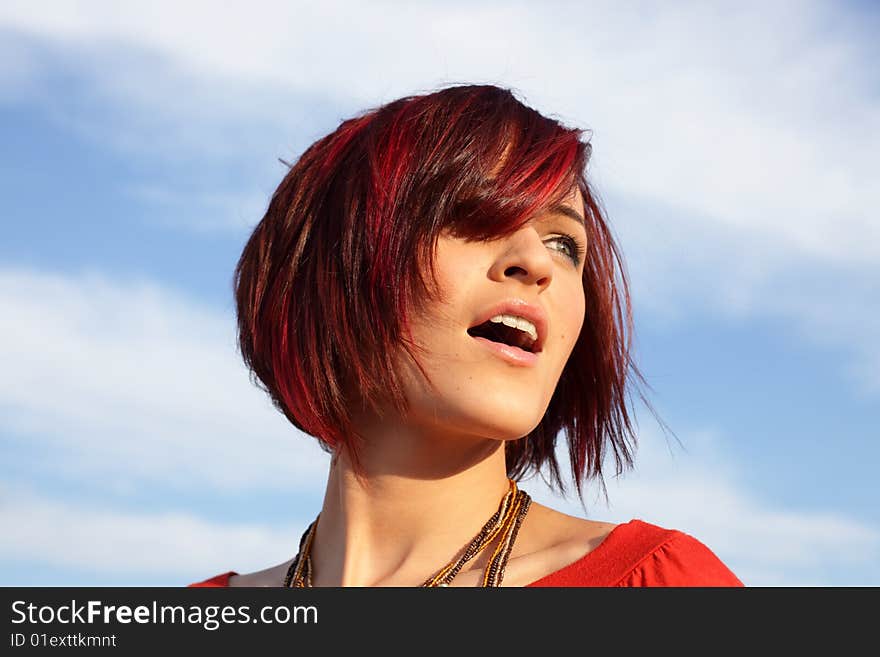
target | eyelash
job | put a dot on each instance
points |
(576, 250)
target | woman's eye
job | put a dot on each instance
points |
(568, 246)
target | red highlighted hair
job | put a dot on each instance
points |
(328, 280)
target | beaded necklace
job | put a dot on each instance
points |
(506, 521)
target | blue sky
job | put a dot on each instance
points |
(735, 150)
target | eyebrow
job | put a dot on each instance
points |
(568, 212)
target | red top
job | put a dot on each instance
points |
(635, 553)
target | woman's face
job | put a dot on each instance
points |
(484, 385)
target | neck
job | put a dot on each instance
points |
(421, 500)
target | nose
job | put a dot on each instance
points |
(524, 257)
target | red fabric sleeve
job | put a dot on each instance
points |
(638, 553)
(218, 581)
(681, 561)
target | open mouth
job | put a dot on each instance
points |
(503, 334)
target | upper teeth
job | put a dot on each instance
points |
(518, 323)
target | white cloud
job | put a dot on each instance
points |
(701, 492)
(773, 134)
(179, 547)
(746, 133)
(204, 211)
(681, 268)
(752, 128)
(762, 545)
(135, 383)
(130, 380)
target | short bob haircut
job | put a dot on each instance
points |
(328, 280)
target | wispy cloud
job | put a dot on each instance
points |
(759, 153)
(112, 372)
(701, 491)
(205, 211)
(739, 171)
(765, 546)
(681, 268)
(133, 383)
(684, 112)
(178, 547)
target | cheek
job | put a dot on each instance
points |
(456, 265)
(572, 316)
(578, 321)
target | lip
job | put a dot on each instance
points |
(513, 355)
(514, 306)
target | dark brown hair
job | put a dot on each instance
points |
(326, 283)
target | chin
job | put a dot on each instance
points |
(496, 409)
(499, 421)
(508, 418)
(514, 415)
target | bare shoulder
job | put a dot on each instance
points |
(272, 576)
(551, 529)
(550, 540)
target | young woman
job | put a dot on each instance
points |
(435, 296)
